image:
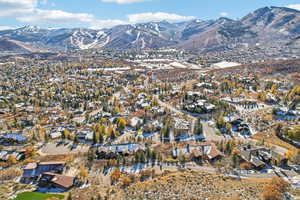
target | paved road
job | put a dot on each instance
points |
(208, 131)
(176, 111)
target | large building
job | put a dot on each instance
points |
(224, 64)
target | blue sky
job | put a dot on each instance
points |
(106, 13)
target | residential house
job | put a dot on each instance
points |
(199, 152)
(181, 129)
(32, 171)
(259, 157)
(55, 135)
(112, 151)
(60, 183)
(135, 122)
(85, 135)
(12, 139)
(246, 103)
(18, 154)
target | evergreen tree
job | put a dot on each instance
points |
(142, 157)
(153, 155)
(199, 128)
(46, 138)
(34, 138)
(91, 155)
(96, 137)
(228, 147)
(63, 135)
(76, 140)
(69, 196)
(101, 139)
(234, 159)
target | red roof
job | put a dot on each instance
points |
(62, 180)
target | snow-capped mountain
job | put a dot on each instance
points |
(269, 25)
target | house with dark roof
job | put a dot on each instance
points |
(259, 157)
(33, 171)
(18, 154)
(204, 151)
(56, 182)
(48, 177)
(12, 139)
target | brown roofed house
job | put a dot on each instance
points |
(52, 180)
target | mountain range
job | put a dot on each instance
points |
(268, 26)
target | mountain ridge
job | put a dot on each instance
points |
(265, 26)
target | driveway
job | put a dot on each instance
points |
(208, 131)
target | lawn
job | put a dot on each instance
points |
(36, 196)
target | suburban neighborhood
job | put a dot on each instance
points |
(149, 100)
(81, 125)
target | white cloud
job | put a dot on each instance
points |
(224, 14)
(158, 16)
(18, 3)
(59, 17)
(16, 7)
(124, 1)
(141, 18)
(5, 28)
(27, 11)
(294, 6)
(40, 16)
(99, 24)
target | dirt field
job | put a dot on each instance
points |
(54, 149)
(185, 185)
